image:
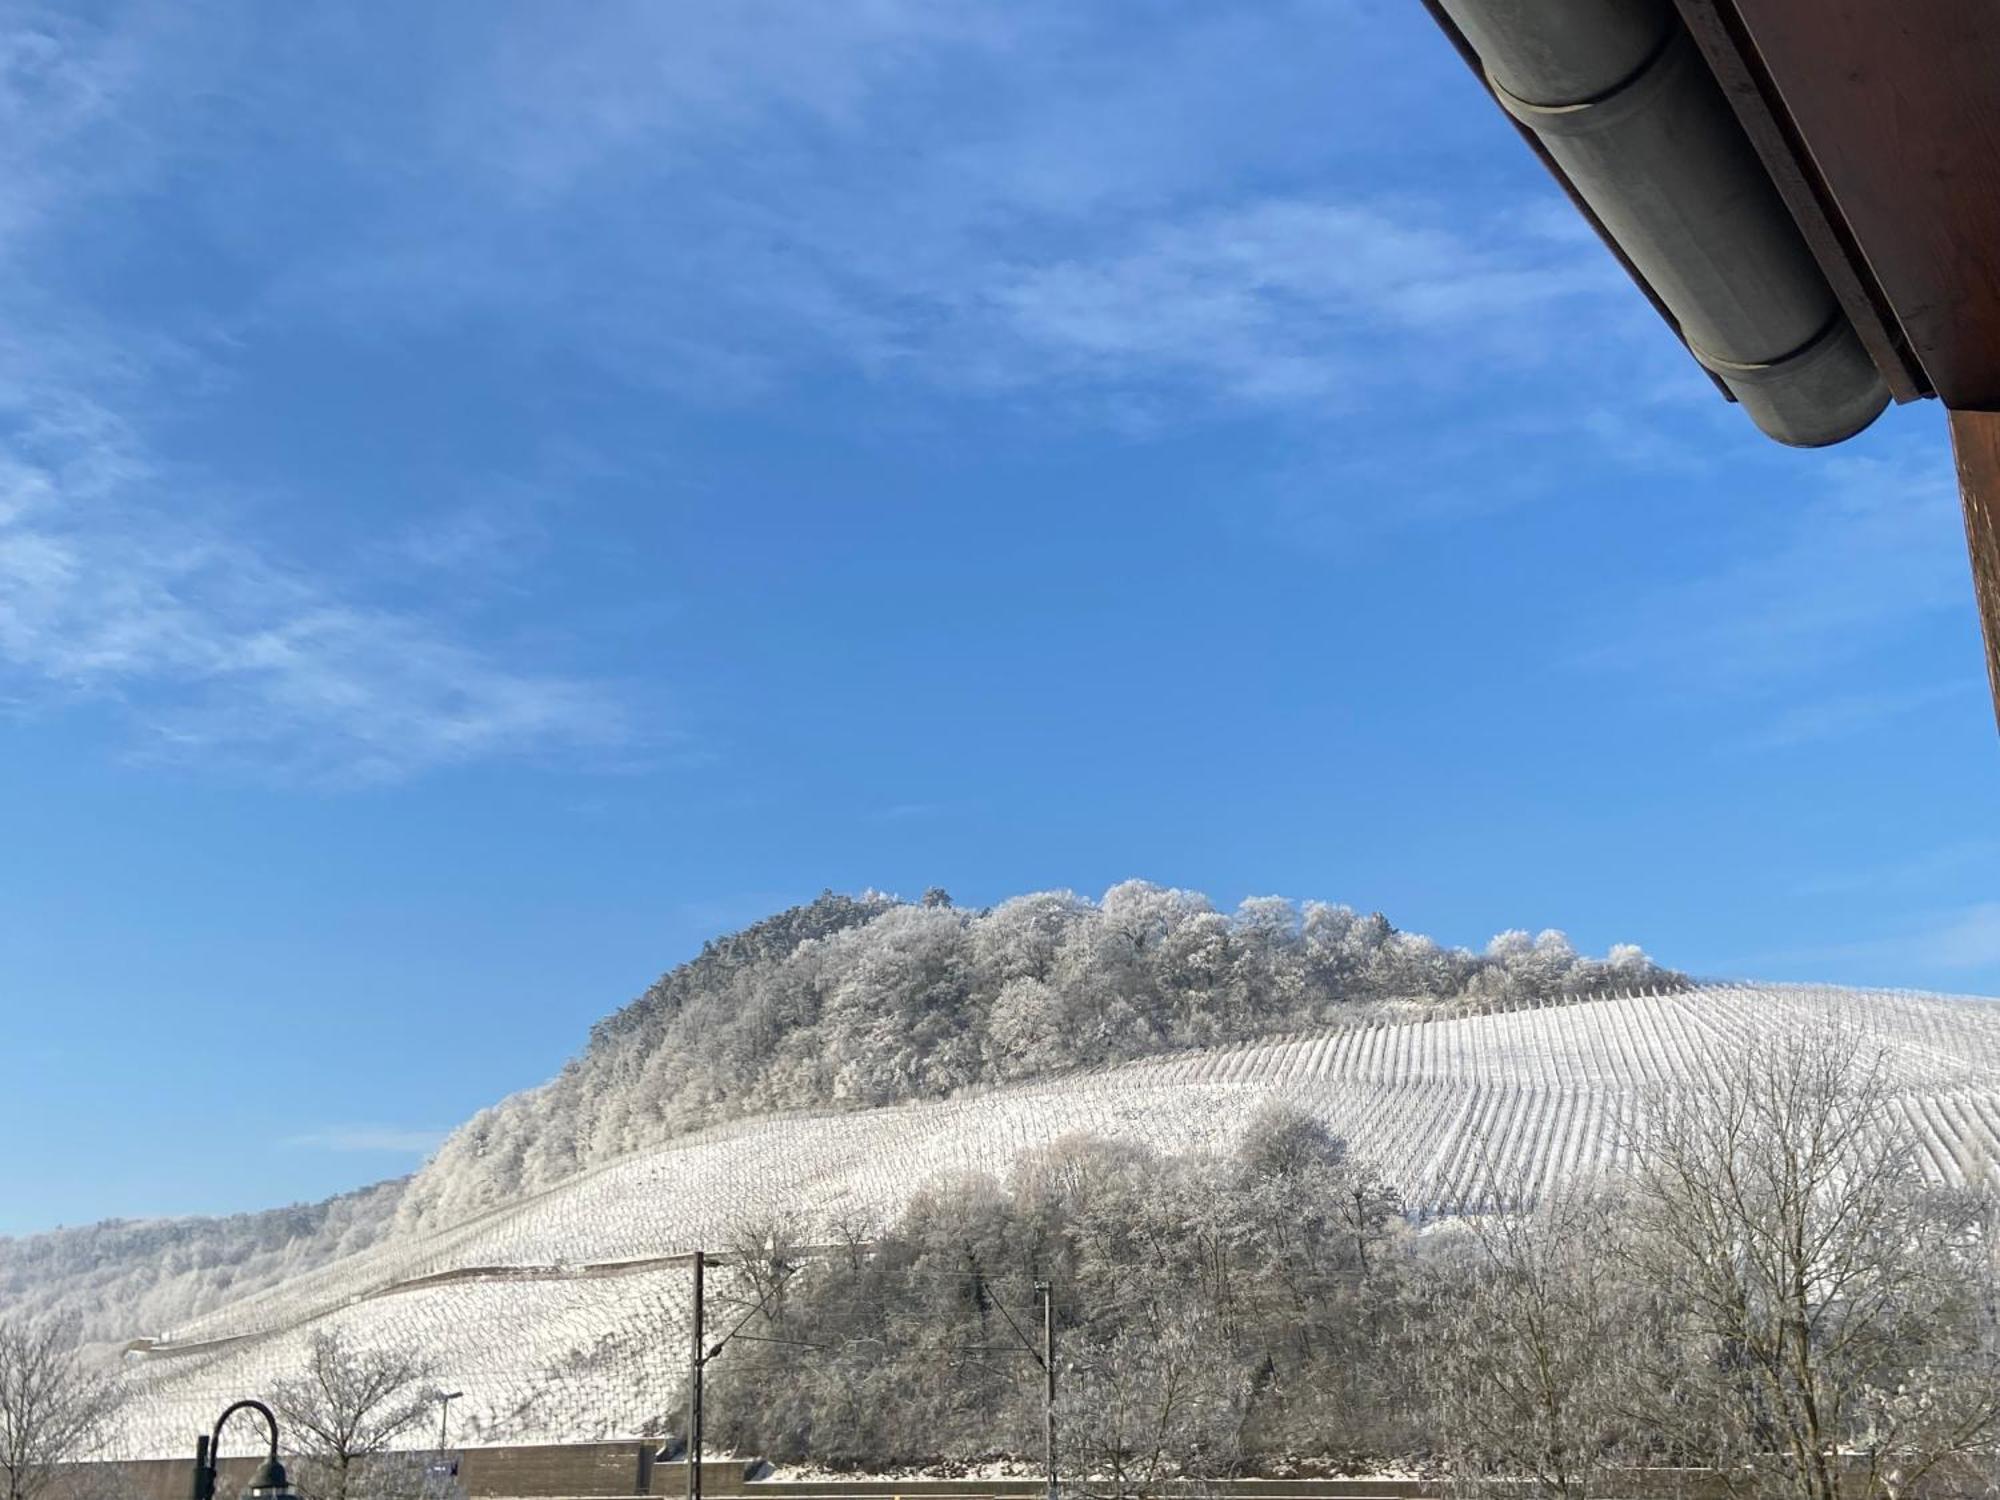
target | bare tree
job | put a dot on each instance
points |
(53, 1406)
(1525, 1349)
(764, 1250)
(1149, 1407)
(853, 1230)
(346, 1410)
(1826, 1309)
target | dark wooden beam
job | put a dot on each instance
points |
(1897, 106)
(1975, 439)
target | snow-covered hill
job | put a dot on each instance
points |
(562, 1315)
(849, 1003)
(867, 1001)
(125, 1274)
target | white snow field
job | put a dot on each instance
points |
(562, 1317)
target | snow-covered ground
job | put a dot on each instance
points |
(558, 1320)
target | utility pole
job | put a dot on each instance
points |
(696, 1359)
(1049, 1384)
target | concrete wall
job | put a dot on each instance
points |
(1012, 1489)
(579, 1469)
(152, 1479)
(626, 1471)
(576, 1471)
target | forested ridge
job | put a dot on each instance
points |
(845, 1001)
(127, 1278)
(864, 1001)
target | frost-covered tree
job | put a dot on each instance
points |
(1025, 1033)
(345, 1411)
(859, 1001)
(53, 1405)
(1528, 1350)
(1824, 1307)
(1209, 1308)
(125, 1278)
(1772, 1292)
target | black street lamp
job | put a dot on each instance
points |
(268, 1483)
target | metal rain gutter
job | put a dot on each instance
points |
(1621, 101)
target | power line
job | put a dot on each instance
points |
(760, 1338)
(1017, 1327)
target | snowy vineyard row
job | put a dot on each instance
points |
(546, 1360)
(1444, 1108)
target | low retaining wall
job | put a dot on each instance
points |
(627, 1471)
(1018, 1489)
(574, 1471)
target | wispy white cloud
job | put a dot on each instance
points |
(630, 85)
(132, 580)
(1944, 866)
(387, 1139)
(1874, 549)
(1091, 230)
(1968, 940)
(1287, 300)
(1095, 241)
(61, 82)
(490, 536)
(1099, 246)
(1949, 942)
(1290, 302)
(217, 649)
(1837, 715)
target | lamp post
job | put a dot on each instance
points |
(445, 1398)
(268, 1483)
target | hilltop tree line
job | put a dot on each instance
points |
(859, 1001)
(1773, 1292)
(845, 1001)
(127, 1278)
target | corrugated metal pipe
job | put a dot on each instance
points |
(1627, 108)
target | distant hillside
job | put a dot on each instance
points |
(563, 1316)
(868, 1001)
(129, 1277)
(847, 1002)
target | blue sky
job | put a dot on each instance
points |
(491, 495)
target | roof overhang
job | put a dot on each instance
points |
(1877, 122)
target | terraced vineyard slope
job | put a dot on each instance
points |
(562, 1315)
(846, 1002)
